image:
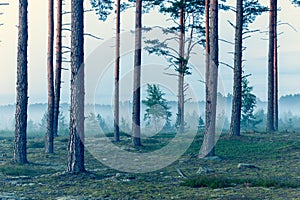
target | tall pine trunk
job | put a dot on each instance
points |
(49, 134)
(275, 69)
(117, 78)
(270, 111)
(20, 151)
(58, 66)
(212, 84)
(237, 79)
(207, 52)
(76, 141)
(136, 129)
(181, 71)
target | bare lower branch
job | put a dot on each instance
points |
(187, 100)
(247, 75)
(171, 74)
(66, 29)
(66, 47)
(201, 81)
(251, 31)
(231, 24)
(226, 41)
(93, 36)
(288, 24)
(226, 65)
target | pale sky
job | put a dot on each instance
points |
(256, 53)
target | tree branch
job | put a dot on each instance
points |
(93, 36)
(226, 65)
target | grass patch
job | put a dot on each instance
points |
(217, 181)
(11, 169)
(36, 144)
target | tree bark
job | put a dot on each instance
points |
(117, 74)
(237, 84)
(212, 84)
(207, 56)
(20, 151)
(58, 66)
(136, 129)
(181, 70)
(50, 135)
(275, 69)
(76, 141)
(270, 111)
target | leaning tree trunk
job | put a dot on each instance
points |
(212, 84)
(50, 135)
(20, 153)
(76, 141)
(136, 129)
(237, 80)
(58, 66)
(117, 76)
(270, 111)
(275, 69)
(181, 72)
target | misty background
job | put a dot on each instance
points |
(255, 64)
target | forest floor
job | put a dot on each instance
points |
(275, 173)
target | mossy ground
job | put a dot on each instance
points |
(277, 156)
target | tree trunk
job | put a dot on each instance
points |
(270, 112)
(20, 151)
(275, 69)
(136, 129)
(50, 135)
(212, 84)
(237, 84)
(181, 71)
(117, 74)
(207, 56)
(76, 141)
(58, 67)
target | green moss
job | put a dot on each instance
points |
(217, 181)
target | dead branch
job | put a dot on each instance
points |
(250, 31)
(288, 24)
(247, 75)
(231, 24)
(226, 65)
(226, 41)
(65, 47)
(171, 74)
(93, 36)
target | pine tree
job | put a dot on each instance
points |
(157, 109)
(136, 121)
(58, 67)
(248, 104)
(20, 144)
(188, 33)
(50, 134)
(246, 13)
(76, 141)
